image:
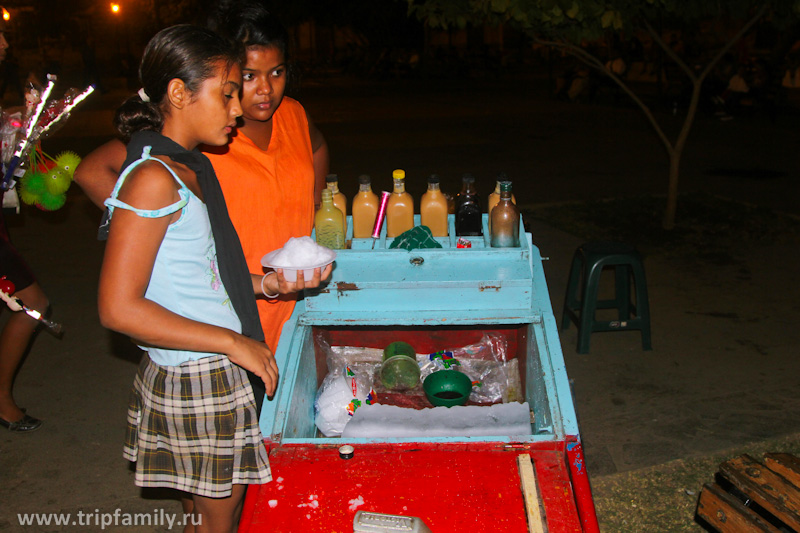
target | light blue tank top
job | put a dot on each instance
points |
(185, 276)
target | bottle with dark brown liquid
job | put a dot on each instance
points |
(468, 209)
(495, 197)
(505, 220)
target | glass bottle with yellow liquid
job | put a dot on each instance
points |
(365, 209)
(339, 199)
(495, 197)
(433, 208)
(329, 223)
(400, 208)
(505, 220)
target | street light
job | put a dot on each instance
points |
(6, 15)
(115, 7)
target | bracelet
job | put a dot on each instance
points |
(264, 291)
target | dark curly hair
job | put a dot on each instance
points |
(251, 24)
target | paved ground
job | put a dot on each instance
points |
(723, 369)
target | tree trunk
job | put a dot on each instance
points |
(668, 222)
(676, 152)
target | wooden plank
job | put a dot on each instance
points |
(727, 514)
(527, 475)
(784, 464)
(765, 487)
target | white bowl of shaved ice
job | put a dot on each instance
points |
(299, 253)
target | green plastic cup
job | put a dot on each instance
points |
(400, 373)
(399, 348)
(447, 388)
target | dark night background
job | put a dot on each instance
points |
(364, 38)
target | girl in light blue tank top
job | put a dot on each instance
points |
(192, 423)
(185, 277)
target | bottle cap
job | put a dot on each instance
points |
(346, 451)
(468, 178)
(399, 174)
(502, 176)
(433, 178)
(330, 178)
(505, 186)
(364, 179)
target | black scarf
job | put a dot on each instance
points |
(230, 257)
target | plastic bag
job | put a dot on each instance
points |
(494, 378)
(342, 392)
(347, 386)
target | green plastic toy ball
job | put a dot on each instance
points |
(33, 182)
(28, 197)
(68, 161)
(51, 202)
(57, 181)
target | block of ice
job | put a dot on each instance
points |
(389, 421)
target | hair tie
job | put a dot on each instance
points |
(143, 95)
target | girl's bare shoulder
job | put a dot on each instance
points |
(149, 186)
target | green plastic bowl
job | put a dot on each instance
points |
(447, 388)
(399, 348)
(400, 373)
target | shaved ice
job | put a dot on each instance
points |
(301, 252)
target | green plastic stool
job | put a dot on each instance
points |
(584, 278)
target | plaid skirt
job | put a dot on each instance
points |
(193, 428)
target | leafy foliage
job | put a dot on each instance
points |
(579, 20)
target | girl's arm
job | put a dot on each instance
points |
(319, 149)
(97, 173)
(127, 265)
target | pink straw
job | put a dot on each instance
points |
(376, 229)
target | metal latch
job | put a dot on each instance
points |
(369, 522)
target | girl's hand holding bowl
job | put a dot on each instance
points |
(299, 281)
(300, 264)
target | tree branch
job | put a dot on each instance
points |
(760, 13)
(592, 61)
(670, 52)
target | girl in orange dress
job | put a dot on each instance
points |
(273, 171)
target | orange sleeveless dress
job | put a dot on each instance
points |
(270, 197)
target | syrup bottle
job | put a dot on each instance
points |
(505, 220)
(400, 209)
(365, 209)
(329, 223)
(339, 199)
(468, 210)
(433, 208)
(495, 197)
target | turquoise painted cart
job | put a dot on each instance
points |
(446, 296)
